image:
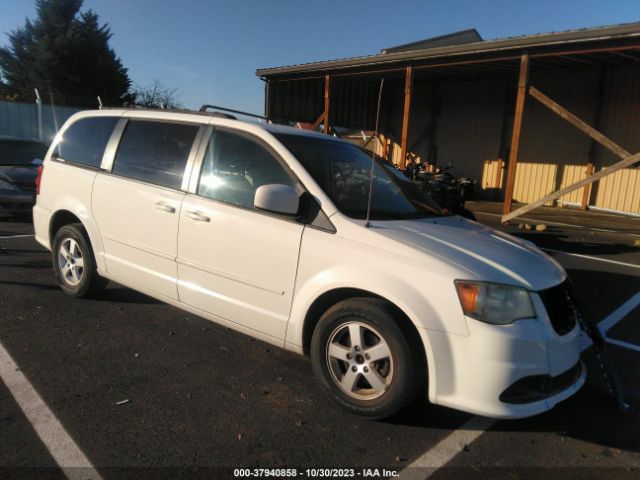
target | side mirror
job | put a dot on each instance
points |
(277, 198)
(36, 162)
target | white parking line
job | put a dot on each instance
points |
(55, 438)
(619, 313)
(15, 236)
(610, 321)
(589, 257)
(447, 448)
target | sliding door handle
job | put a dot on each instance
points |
(197, 216)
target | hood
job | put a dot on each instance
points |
(487, 254)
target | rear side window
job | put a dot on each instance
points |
(155, 152)
(85, 140)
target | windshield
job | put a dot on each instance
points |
(342, 171)
(16, 152)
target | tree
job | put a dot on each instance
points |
(66, 55)
(155, 96)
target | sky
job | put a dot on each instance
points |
(209, 50)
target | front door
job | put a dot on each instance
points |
(235, 261)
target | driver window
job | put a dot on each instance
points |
(235, 166)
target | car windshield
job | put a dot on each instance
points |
(20, 153)
(342, 171)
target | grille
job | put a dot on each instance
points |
(538, 387)
(560, 308)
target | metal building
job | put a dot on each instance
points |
(463, 100)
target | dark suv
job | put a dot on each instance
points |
(19, 162)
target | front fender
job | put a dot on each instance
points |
(329, 262)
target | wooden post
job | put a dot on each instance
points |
(408, 84)
(327, 89)
(523, 81)
(586, 192)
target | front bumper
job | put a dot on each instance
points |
(470, 373)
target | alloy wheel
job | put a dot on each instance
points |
(359, 360)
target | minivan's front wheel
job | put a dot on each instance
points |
(363, 359)
(73, 262)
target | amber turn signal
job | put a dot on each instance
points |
(468, 294)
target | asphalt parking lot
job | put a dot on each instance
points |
(148, 391)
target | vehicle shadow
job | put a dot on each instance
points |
(114, 295)
(124, 295)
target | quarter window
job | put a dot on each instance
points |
(235, 166)
(85, 140)
(155, 152)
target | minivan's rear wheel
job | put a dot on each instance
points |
(363, 359)
(73, 262)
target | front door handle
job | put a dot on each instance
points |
(165, 207)
(197, 216)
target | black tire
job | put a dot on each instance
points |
(404, 369)
(85, 281)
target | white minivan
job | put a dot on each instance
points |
(261, 228)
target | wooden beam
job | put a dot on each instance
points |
(523, 81)
(424, 134)
(580, 124)
(327, 91)
(627, 56)
(576, 60)
(317, 123)
(627, 162)
(408, 84)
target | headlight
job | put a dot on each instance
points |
(4, 185)
(494, 303)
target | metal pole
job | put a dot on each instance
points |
(39, 113)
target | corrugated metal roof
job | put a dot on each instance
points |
(583, 35)
(456, 38)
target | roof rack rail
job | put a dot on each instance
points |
(205, 107)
